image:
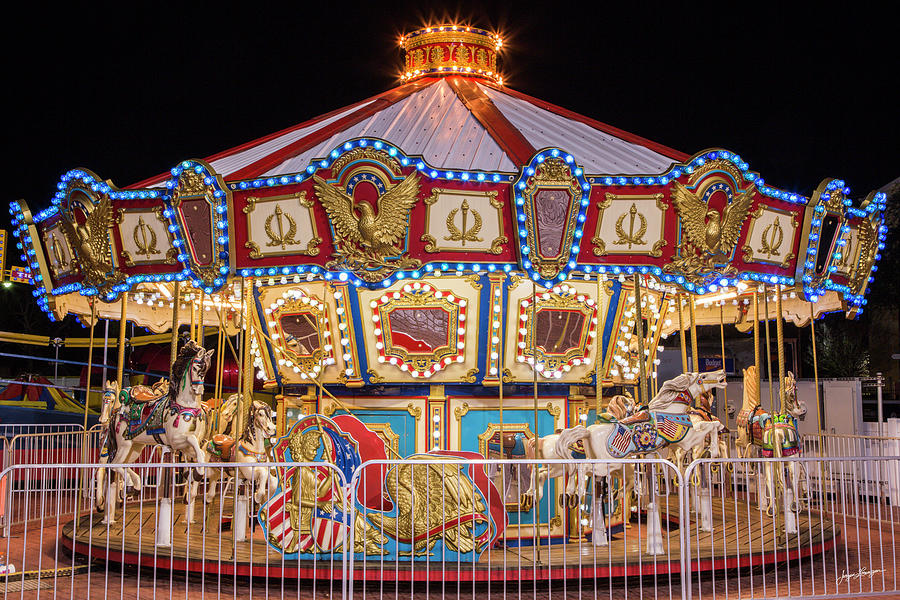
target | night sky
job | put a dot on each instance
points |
(128, 92)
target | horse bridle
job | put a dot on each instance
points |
(198, 361)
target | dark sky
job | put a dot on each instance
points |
(128, 92)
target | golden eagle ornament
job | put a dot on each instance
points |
(370, 243)
(90, 242)
(707, 232)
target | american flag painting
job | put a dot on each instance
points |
(672, 428)
(326, 529)
(620, 440)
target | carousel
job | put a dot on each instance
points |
(446, 272)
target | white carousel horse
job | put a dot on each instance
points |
(775, 436)
(175, 420)
(110, 404)
(250, 449)
(665, 421)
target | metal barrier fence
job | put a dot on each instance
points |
(422, 526)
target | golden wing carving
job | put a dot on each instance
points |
(339, 207)
(692, 212)
(735, 213)
(70, 232)
(393, 210)
(98, 223)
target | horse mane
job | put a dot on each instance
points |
(670, 390)
(751, 388)
(181, 364)
(619, 405)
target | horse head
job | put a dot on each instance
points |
(110, 400)
(189, 369)
(260, 420)
(708, 381)
(794, 405)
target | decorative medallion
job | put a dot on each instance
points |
(770, 237)
(199, 205)
(420, 330)
(301, 332)
(463, 221)
(560, 335)
(145, 237)
(871, 233)
(369, 215)
(712, 211)
(280, 225)
(631, 225)
(824, 226)
(551, 198)
(59, 256)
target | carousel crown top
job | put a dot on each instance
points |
(390, 240)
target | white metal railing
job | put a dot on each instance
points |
(827, 534)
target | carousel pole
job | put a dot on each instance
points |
(105, 349)
(639, 326)
(684, 362)
(242, 349)
(193, 328)
(769, 354)
(176, 301)
(200, 318)
(537, 506)
(123, 321)
(722, 338)
(695, 357)
(756, 334)
(779, 332)
(599, 356)
(87, 399)
(812, 330)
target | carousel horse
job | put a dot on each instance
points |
(699, 414)
(665, 421)
(775, 435)
(619, 407)
(250, 449)
(175, 420)
(110, 403)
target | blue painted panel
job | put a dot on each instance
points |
(476, 422)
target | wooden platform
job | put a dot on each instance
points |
(741, 537)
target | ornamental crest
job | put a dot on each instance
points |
(420, 330)
(712, 211)
(551, 199)
(301, 333)
(557, 331)
(369, 214)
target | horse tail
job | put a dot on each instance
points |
(569, 437)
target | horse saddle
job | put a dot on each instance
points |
(148, 393)
(639, 417)
(511, 445)
(221, 446)
(706, 415)
(145, 416)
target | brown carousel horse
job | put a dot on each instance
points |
(774, 435)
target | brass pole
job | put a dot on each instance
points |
(639, 331)
(193, 328)
(501, 334)
(722, 338)
(695, 357)
(239, 417)
(769, 354)
(756, 335)
(599, 353)
(779, 331)
(87, 390)
(176, 313)
(201, 332)
(681, 333)
(533, 327)
(123, 322)
(247, 396)
(812, 330)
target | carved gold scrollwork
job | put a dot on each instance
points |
(460, 411)
(414, 411)
(374, 377)
(771, 239)
(631, 237)
(144, 239)
(471, 375)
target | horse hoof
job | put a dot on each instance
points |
(573, 501)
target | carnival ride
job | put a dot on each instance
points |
(444, 270)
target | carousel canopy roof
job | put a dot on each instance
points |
(453, 122)
(449, 174)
